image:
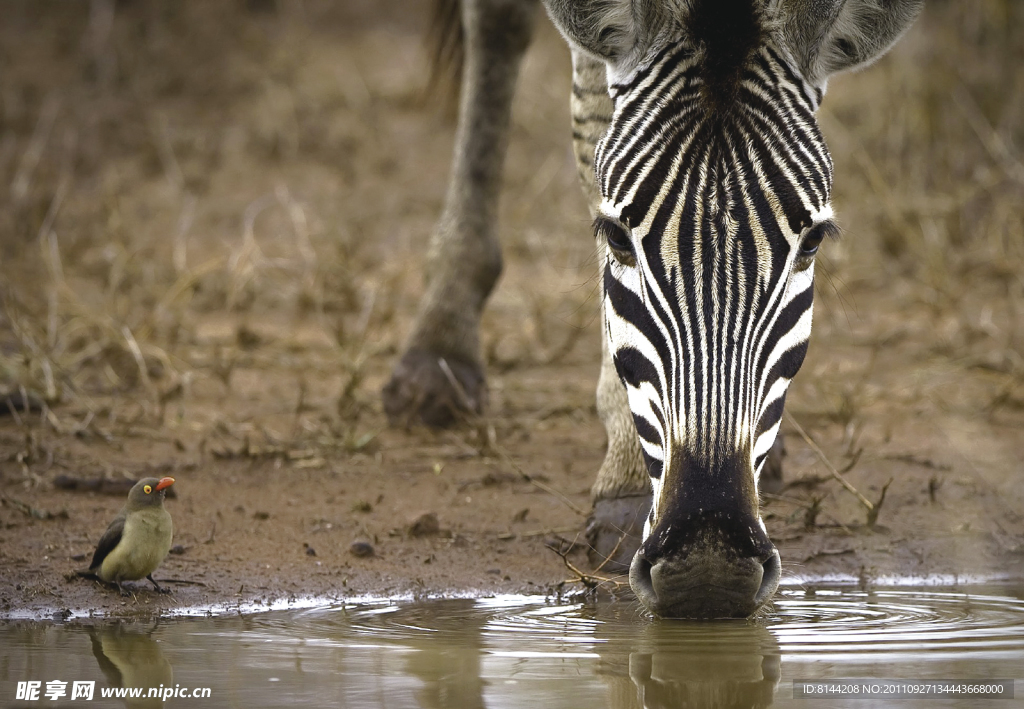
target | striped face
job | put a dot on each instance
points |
(715, 198)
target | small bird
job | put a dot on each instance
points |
(138, 539)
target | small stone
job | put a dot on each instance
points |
(494, 572)
(310, 551)
(178, 549)
(361, 548)
(425, 525)
(261, 515)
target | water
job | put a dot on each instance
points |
(526, 652)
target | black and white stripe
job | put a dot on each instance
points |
(711, 205)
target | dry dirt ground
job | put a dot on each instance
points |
(211, 222)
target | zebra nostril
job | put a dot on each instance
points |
(640, 581)
(770, 579)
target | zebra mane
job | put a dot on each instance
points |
(725, 34)
(822, 36)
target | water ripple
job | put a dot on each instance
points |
(528, 651)
(826, 622)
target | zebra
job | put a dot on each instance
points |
(709, 182)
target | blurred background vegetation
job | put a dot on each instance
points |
(188, 190)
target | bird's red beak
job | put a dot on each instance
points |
(164, 483)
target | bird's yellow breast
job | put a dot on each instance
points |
(144, 545)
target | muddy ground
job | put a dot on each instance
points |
(211, 220)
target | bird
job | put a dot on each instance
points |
(138, 539)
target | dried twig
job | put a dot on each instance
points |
(828, 464)
(547, 532)
(456, 384)
(184, 582)
(538, 484)
(611, 554)
(804, 505)
(877, 507)
(853, 461)
(591, 581)
(33, 512)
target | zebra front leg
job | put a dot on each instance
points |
(440, 376)
(621, 495)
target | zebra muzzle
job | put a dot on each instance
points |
(706, 579)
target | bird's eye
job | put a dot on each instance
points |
(148, 489)
(617, 238)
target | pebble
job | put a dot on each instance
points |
(425, 525)
(361, 548)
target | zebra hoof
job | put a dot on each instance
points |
(438, 391)
(771, 474)
(614, 531)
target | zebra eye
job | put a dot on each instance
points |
(617, 238)
(812, 240)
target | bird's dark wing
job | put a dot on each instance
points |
(108, 541)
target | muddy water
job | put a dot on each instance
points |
(525, 652)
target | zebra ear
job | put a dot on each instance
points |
(829, 36)
(612, 30)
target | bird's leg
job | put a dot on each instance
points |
(124, 594)
(159, 588)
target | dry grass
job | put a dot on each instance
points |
(930, 181)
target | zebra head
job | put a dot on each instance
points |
(715, 184)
